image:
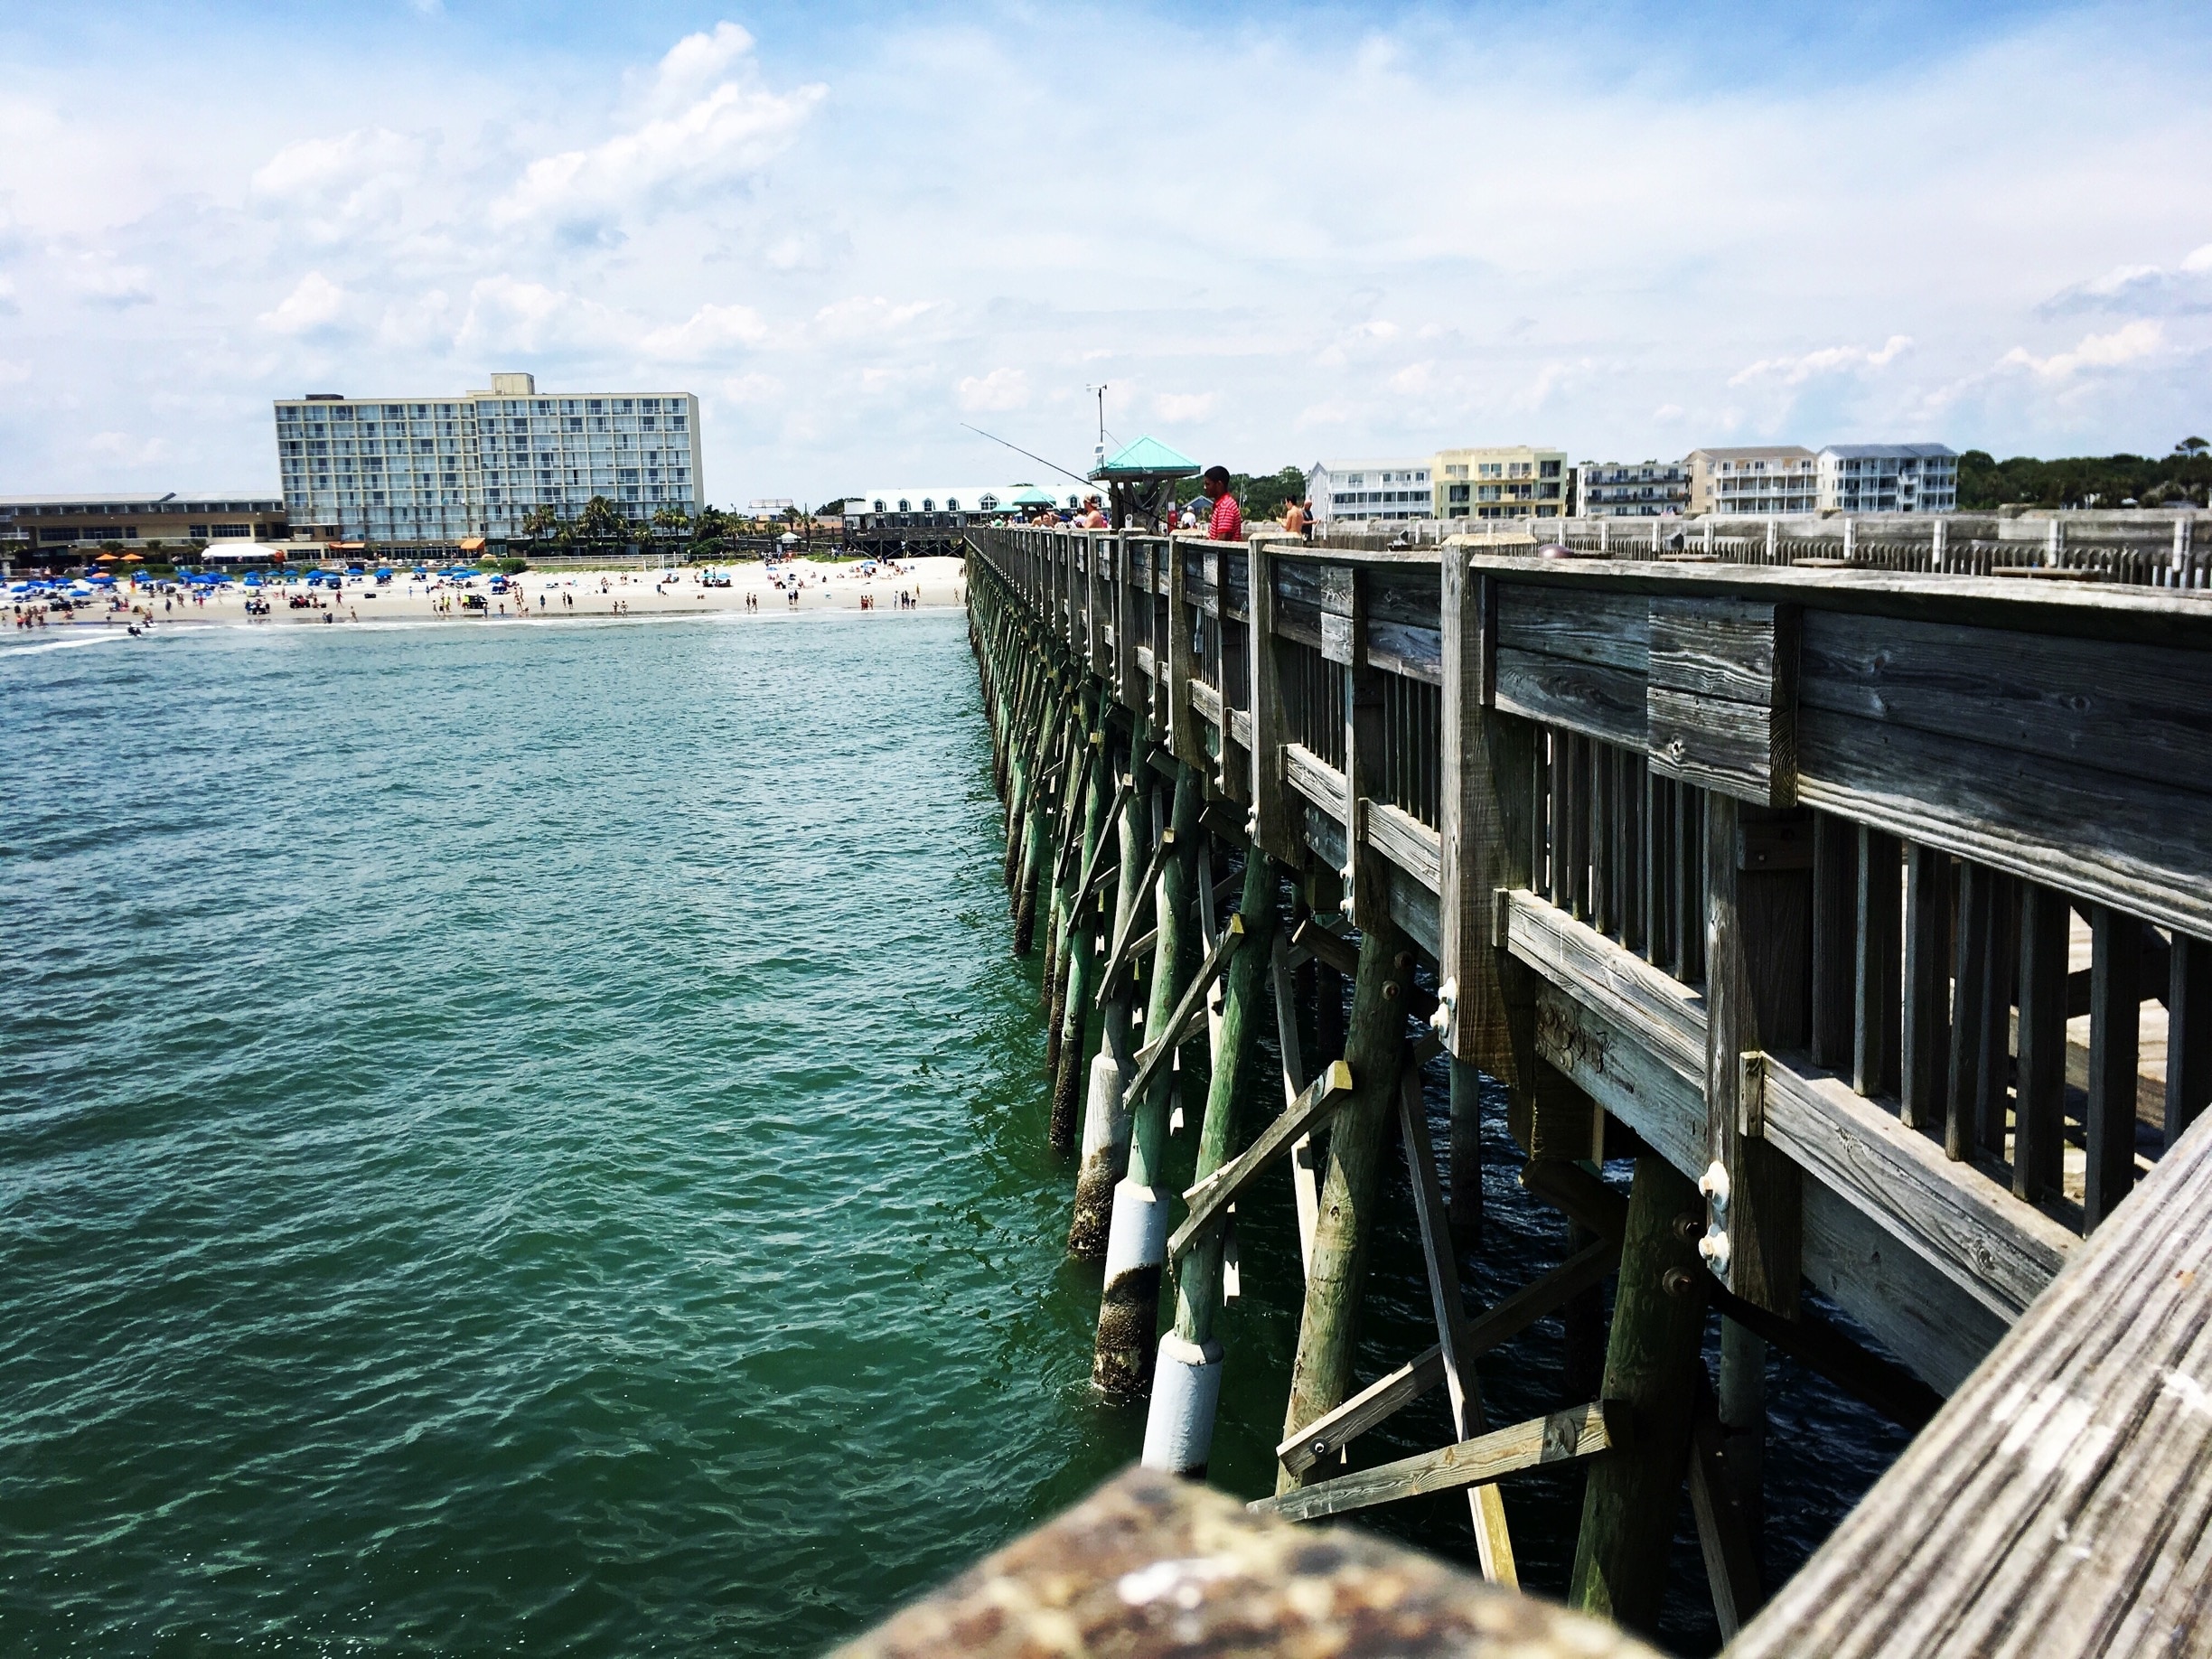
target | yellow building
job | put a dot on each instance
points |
(1506, 481)
(1760, 479)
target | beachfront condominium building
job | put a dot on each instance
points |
(1772, 481)
(1631, 490)
(1510, 481)
(439, 471)
(1370, 489)
(1888, 478)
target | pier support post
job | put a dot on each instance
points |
(1186, 1384)
(1078, 800)
(1137, 1238)
(1080, 956)
(1351, 1189)
(1652, 1366)
(1106, 1117)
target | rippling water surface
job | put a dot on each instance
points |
(531, 1138)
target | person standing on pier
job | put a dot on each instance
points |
(1228, 521)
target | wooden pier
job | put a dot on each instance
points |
(1864, 907)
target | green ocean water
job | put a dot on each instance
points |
(531, 1139)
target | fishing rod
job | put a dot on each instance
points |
(1040, 460)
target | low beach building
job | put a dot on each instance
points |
(952, 506)
(1888, 478)
(432, 472)
(1502, 481)
(1771, 480)
(36, 525)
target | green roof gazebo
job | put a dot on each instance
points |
(1139, 479)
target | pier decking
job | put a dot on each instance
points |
(1866, 906)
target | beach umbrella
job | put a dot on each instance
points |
(104, 559)
(134, 558)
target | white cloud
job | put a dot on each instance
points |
(329, 187)
(8, 308)
(842, 289)
(710, 331)
(315, 303)
(1001, 388)
(128, 449)
(1184, 405)
(731, 127)
(507, 314)
(1828, 359)
(863, 318)
(12, 374)
(101, 282)
(697, 61)
(2123, 345)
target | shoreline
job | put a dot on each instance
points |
(936, 584)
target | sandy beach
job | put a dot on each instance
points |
(805, 585)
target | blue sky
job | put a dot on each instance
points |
(1274, 234)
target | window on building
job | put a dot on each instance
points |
(1547, 469)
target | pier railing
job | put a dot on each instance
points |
(2144, 549)
(1871, 894)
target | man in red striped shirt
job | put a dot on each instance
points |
(1228, 521)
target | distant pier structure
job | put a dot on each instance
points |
(1854, 881)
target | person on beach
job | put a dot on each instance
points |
(1227, 523)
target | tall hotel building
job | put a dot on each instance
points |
(439, 471)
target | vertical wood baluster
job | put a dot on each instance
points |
(1926, 1033)
(1970, 968)
(1835, 881)
(1876, 965)
(2040, 1109)
(2115, 998)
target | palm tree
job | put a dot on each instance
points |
(600, 520)
(540, 522)
(671, 520)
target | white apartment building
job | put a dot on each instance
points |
(1771, 480)
(1888, 478)
(438, 470)
(1501, 480)
(1370, 489)
(1631, 490)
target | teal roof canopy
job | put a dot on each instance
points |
(1031, 496)
(1148, 457)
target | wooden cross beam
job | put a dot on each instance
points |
(1562, 1437)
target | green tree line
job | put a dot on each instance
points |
(2087, 480)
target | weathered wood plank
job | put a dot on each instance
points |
(1400, 648)
(1314, 778)
(1665, 1016)
(1665, 1108)
(2060, 1504)
(1219, 1190)
(1737, 651)
(1597, 700)
(1590, 625)
(1996, 1248)
(1402, 838)
(1562, 1437)
(1388, 1395)
(1741, 749)
(2144, 713)
(2147, 848)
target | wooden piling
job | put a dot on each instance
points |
(1179, 1432)
(1079, 955)
(1653, 1368)
(1106, 1116)
(1351, 1187)
(1137, 1237)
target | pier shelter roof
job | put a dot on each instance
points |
(1144, 461)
